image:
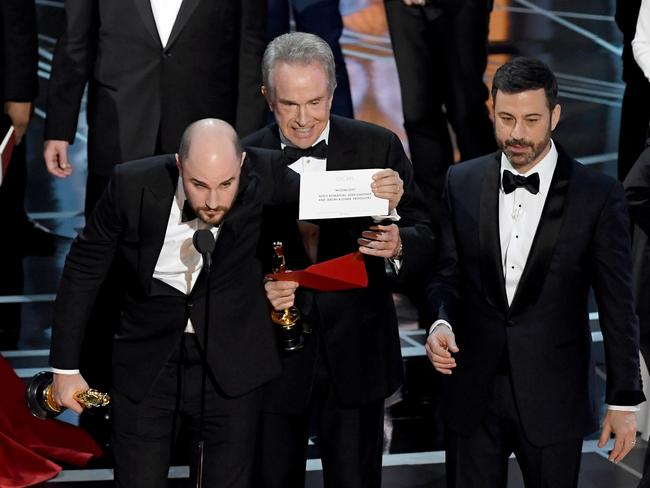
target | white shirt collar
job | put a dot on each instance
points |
(545, 168)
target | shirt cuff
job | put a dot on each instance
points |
(440, 322)
(624, 408)
(65, 371)
(393, 215)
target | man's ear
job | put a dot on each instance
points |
(179, 165)
(266, 94)
(555, 116)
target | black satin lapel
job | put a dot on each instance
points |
(154, 215)
(184, 14)
(548, 230)
(146, 14)
(340, 151)
(489, 239)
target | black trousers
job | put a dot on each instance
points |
(482, 458)
(440, 63)
(144, 433)
(349, 440)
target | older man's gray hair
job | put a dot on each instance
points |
(297, 48)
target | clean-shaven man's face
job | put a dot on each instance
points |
(523, 123)
(301, 102)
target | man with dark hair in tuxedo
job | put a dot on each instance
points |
(525, 233)
(144, 226)
(351, 360)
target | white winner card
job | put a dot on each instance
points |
(339, 194)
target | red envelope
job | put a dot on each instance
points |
(343, 273)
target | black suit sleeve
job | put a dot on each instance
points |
(612, 284)
(86, 266)
(415, 227)
(442, 289)
(20, 51)
(73, 62)
(637, 191)
(251, 107)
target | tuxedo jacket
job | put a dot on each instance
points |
(142, 96)
(18, 51)
(127, 230)
(582, 241)
(637, 191)
(358, 328)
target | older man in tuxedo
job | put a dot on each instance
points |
(525, 233)
(144, 226)
(351, 359)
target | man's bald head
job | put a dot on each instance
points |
(209, 160)
(214, 131)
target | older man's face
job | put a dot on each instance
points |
(301, 102)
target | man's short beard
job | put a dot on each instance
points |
(537, 149)
(216, 220)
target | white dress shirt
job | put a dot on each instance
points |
(519, 214)
(165, 13)
(641, 41)
(179, 263)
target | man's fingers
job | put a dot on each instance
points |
(442, 364)
(618, 449)
(380, 240)
(55, 154)
(283, 303)
(604, 435)
(438, 346)
(626, 445)
(280, 286)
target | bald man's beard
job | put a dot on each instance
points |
(211, 216)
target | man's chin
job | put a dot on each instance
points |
(519, 159)
(211, 219)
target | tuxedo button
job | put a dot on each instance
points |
(167, 54)
(510, 323)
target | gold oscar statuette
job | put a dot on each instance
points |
(38, 395)
(288, 320)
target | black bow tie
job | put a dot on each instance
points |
(511, 182)
(293, 154)
(188, 212)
